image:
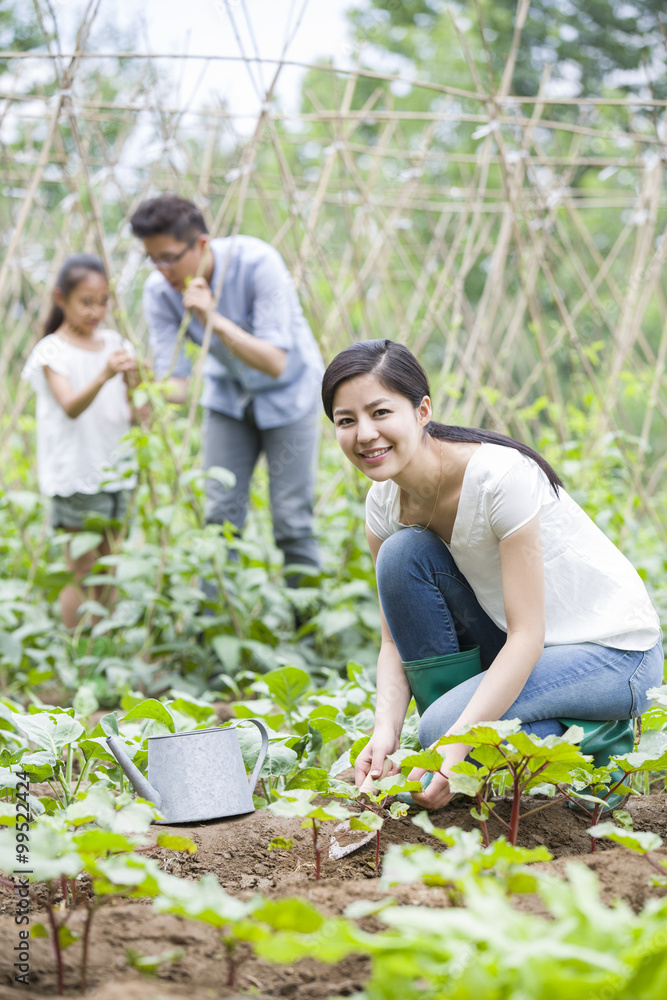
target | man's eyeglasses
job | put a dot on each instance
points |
(167, 262)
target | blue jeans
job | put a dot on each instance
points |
(431, 610)
(291, 454)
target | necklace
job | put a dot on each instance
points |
(418, 528)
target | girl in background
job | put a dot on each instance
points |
(81, 375)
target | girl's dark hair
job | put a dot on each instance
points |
(399, 371)
(73, 271)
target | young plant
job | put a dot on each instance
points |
(503, 754)
(205, 900)
(464, 860)
(617, 778)
(297, 803)
(87, 838)
(641, 842)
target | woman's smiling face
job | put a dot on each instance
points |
(378, 430)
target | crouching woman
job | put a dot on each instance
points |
(500, 597)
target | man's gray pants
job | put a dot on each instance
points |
(291, 453)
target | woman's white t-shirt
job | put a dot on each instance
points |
(81, 454)
(593, 593)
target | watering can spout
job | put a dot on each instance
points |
(139, 783)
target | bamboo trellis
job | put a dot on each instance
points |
(518, 245)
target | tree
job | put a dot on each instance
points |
(591, 44)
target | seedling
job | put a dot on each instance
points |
(503, 753)
(464, 860)
(66, 846)
(641, 842)
(297, 803)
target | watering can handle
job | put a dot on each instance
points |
(262, 751)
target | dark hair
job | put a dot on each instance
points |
(399, 371)
(168, 215)
(72, 272)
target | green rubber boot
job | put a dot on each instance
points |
(429, 679)
(604, 740)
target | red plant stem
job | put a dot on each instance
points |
(317, 852)
(516, 813)
(658, 867)
(64, 890)
(57, 949)
(86, 940)
(231, 964)
(377, 852)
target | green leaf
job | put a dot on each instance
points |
(309, 777)
(483, 733)
(66, 937)
(640, 761)
(199, 711)
(204, 900)
(288, 685)
(465, 784)
(83, 542)
(334, 940)
(38, 931)
(222, 476)
(280, 844)
(85, 703)
(51, 732)
(280, 759)
(290, 915)
(149, 965)
(52, 853)
(176, 843)
(366, 821)
(641, 841)
(152, 709)
(109, 724)
(430, 760)
(328, 729)
(331, 622)
(298, 804)
(423, 821)
(39, 765)
(11, 649)
(228, 650)
(100, 843)
(357, 747)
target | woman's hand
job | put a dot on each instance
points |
(372, 758)
(198, 297)
(438, 792)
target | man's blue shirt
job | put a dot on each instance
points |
(259, 296)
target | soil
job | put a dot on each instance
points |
(235, 851)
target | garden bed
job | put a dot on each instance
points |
(236, 852)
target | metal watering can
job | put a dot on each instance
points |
(195, 775)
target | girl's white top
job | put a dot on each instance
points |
(81, 454)
(593, 593)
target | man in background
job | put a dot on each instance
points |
(263, 371)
